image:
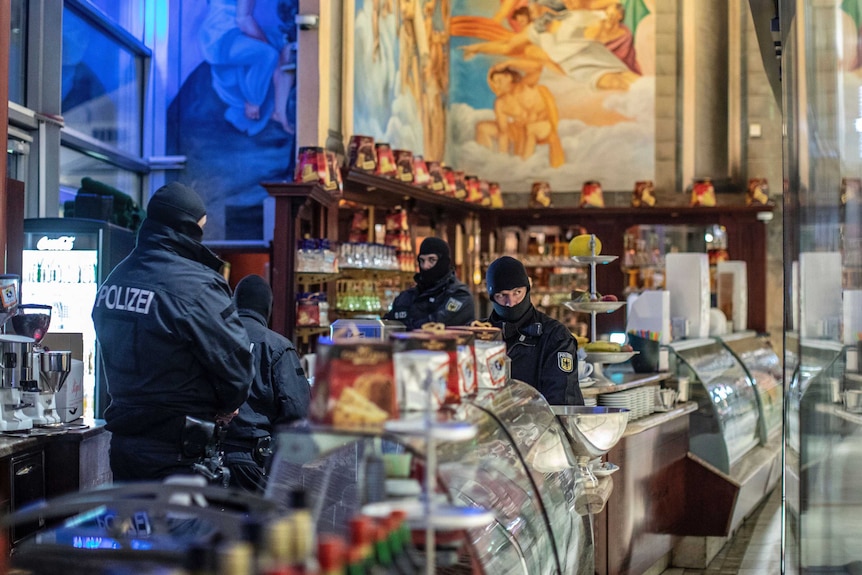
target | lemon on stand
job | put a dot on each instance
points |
(580, 246)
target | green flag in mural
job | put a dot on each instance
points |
(636, 11)
(853, 8)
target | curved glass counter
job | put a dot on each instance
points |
(764, 368)
(725, 426)
(534, 431)
(519, 466)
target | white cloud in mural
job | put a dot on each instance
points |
(380, 110)
(374, 79)
(617, 155)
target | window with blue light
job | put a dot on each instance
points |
(102, 94)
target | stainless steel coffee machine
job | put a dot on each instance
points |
(48, 369)
(15, 358)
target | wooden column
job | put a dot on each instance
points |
(290, 199)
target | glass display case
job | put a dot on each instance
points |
(725, 426)
(764, 368)
(519, 466)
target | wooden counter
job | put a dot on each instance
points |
(46, 466)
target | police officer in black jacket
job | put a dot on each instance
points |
(438, 296)
(279, 393)
(172, 342)
(543, 352)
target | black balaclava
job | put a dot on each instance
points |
(436, 246)
(179, 207)
(253, 293)
(507, 273)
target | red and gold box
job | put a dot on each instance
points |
(592, 195)
(354, 384)
(474, 192)
(403, 165)
(496, 195)
(385, 160)
(311, 165)
(361, 154)
(703, 193)
(643, 196)
(437, 177)
(540, 195)
(421, 177)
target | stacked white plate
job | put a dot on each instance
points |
(624, 399)
(640, 401)
(590, 402)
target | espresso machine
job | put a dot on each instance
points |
(47, 370)
(15, 360)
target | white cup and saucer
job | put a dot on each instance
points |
(585, 370)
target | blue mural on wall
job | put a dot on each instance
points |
(234, 114)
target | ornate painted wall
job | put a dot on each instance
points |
(233, 110)
(512, 90)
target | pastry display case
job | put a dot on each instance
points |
(519, 466)
(725, 426)
(764, 368)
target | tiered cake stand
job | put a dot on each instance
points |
(595, 306)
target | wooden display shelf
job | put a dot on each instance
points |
(299, 209)
(364, 188)
(312, 278)
(746, 241)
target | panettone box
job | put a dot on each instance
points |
(354, 384)
(490, 352)
(462, 379)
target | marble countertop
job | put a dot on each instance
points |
(659, 417)
(12, 443)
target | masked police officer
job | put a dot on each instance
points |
(438, 296)
(279, 393)
(543, 352)
(172, 342)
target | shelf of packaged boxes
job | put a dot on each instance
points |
(390, 192)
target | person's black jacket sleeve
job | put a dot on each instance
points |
(559, 371)
(292, 392)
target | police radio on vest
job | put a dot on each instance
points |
(61, 244)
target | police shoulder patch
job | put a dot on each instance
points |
(453, 305)
(565, 361)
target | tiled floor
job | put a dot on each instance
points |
(755, 549)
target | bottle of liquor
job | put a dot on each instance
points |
(302, 534)
(360, 537)
(397, 545)
(411, 557)
(355, 560)
(275, 558)
(236, 558)
(331, 555)
(383, 564)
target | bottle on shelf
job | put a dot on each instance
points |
(236, 558)
(359, 528)
(331, 555)
(355, 560)
(405, 554)
(383, 564)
